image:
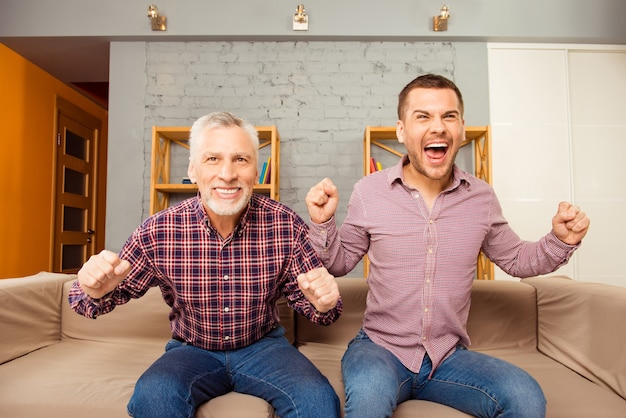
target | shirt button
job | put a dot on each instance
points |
(425, 309)
(226, 277)
(430, 251)
(227, 309)
(416, 195)
(226, 337)
(424, 338)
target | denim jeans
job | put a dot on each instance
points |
(477, 384)
(184, 377)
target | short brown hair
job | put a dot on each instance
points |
(428, 81)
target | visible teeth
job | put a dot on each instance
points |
(226, 191)
(437, 145)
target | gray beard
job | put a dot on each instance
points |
(228, 210)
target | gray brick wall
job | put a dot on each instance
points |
(320, 95)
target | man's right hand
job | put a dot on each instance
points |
(322, 200)
(102, 273)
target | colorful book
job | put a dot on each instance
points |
(372, 165)
(379, 166)
(263, 170)
(268, 173)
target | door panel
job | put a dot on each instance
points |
(75, 203)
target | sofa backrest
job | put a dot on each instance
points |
(353, 293)
(143, 318)
(146, 317)
(503, 315)
(581, 325)
(30, 314)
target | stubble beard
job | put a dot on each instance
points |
(433, 174)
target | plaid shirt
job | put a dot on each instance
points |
(222, 292)
(423, 262)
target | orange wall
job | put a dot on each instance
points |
(27, 142)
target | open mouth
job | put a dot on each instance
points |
(436, 151)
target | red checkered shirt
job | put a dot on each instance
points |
(222, 292)
(423, 262)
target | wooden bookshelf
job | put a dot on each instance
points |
(479, 137)
(162, 186)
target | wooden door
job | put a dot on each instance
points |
(75, 184)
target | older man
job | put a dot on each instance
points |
(221, 259)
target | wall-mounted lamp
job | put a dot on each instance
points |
(440, 23)
(300, 19)
(158, 22)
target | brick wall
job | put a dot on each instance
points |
(320, 95)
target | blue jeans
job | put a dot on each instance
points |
(184, 377)
(477, 384)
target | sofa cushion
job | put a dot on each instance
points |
(567, 393)
(75, 378)
(581, 326)
(144, 318)
(38, 295)
(248, 406)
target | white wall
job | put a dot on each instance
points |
(557, 122)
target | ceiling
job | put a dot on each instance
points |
(80, 62)
(70, 59)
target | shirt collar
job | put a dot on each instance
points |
(459, 176)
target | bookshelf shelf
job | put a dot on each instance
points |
(479, 137)
(162, 186)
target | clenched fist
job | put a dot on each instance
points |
(570, 224)
(102, 273)
(322, 200)
(320, 288)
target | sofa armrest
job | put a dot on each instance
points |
(30, 313)
(581, 325)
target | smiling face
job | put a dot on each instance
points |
(431, 129)
(224, 165)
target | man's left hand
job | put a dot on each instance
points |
(320, 288)
(570, 224)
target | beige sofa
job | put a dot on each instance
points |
(54, 363)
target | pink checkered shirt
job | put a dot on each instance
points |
(222, 293)
(423, 263)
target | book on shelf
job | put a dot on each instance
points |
(268, 173)
(264, 177)
(263, 170)
(372, 165)
(375, 165)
